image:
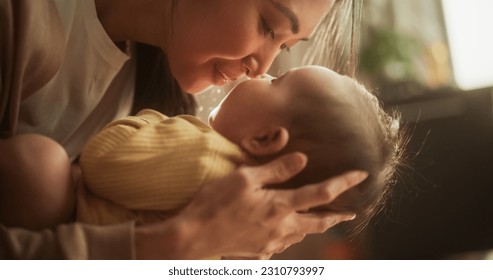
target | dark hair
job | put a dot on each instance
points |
(155, 86)
(362, 123)
(348, 132)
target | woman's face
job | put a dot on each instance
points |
(215, 41)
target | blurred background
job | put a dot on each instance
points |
(431, 60)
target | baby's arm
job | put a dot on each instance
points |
(151, 162)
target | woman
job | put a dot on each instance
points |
(74, 75)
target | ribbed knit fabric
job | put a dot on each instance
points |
(152, 164)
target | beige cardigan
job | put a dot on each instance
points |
(31, 39)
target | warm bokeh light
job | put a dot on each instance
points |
(468, 25)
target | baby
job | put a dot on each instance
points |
(147, 166)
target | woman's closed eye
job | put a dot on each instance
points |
(267, 31)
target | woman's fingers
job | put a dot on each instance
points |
(278, 170)
(319, 222)
(255, 257)
(310, 223)
(314, 195)
(265, 220)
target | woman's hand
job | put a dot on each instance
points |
(236, 216)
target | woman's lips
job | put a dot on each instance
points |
(224, 76)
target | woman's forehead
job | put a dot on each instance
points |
(303, 15)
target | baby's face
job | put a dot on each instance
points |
(257, 104)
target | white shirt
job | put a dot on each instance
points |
(94, 85)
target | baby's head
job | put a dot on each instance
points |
(331, 118)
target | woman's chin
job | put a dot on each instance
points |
(194, 88)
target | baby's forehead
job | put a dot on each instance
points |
(317, 80)
(315, 71)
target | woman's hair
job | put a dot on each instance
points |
(335, 43)
(155, 86)
(346, 131)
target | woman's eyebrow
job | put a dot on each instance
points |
(295, 24)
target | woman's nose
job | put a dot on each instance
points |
(251, 66)
(258, 64)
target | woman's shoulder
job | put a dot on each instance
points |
(22, 35)
(32, 44)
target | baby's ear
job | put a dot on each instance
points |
(267, 143)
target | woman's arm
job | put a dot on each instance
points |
(71, 241)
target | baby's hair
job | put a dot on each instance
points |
(346, 131)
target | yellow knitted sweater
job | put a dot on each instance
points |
(145, 167)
